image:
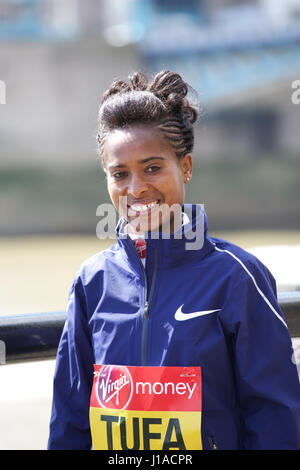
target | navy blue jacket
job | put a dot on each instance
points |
(120, 313)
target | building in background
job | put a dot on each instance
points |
(58, 56)
(241, 57)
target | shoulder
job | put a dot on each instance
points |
(238, 260)
(253, 285)
(234, 251)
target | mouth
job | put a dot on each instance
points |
(142, 208)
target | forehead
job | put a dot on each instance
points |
(125, 146)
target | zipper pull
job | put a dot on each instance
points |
(212, 443)
(146, 309)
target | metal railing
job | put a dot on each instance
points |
(36, 336)
(30, 337)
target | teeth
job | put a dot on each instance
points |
(143, 207)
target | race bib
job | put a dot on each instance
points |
(146, 408)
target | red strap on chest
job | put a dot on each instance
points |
(140, 246)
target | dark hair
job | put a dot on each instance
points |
(162, 103)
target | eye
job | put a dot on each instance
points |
(119, 175)
(152, 169)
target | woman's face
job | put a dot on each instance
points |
(144, 177)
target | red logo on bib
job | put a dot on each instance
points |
(114, 387)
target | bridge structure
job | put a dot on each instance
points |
(235, 52)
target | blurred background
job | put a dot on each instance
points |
(57, 57)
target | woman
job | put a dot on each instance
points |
(167, 295)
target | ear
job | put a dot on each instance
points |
(186, 163)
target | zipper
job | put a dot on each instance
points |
(144, 332)
(147, 305)
(212, 443)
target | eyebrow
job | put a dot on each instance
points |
(145, 160)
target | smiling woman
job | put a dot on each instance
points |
(203, 317)
(143, 174)
(146, 137)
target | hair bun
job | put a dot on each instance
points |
(138, 81)
(161, 101)
(167, 86)
(173, 90)
(118, 86)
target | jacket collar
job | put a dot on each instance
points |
(189, 242)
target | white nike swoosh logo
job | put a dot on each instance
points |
(180, 316)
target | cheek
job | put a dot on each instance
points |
(176, 187)
(180, 195)
(119, 201)
(113, 193)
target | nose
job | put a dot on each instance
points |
(137, 186)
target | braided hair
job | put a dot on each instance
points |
(161, 102)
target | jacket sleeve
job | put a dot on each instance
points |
(73, 378)
(266, 378)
